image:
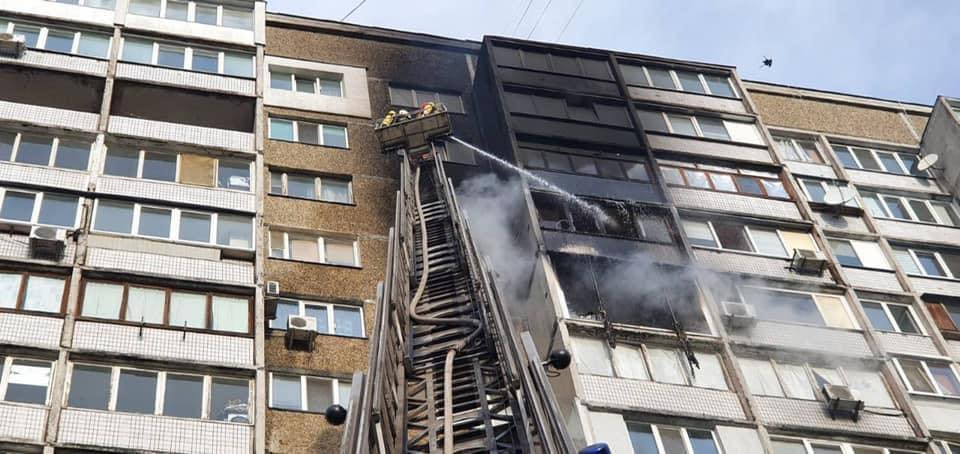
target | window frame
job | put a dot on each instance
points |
(37, 206)
(188, 51)
(845, 447)
(826, 185)
(874, 153)
(797, 150)
(54, 148)
(191, 14)
(7, 362)
(304, 399)
(160, 396)
(141, 159)
(893, 321)
(45, 30)
(687, 445)
(321, 252)
(908, 208)
(749, 236)
(331, 317)
(938, 392)
(295, 74)
(317, 185)
(948, 274)
(853, 247)
(811, 378)
(677, 86)
(460, 108)
(295, 124)
(594, 158)
(175, 216)
(734, 176)
(22, 293)
(848, 311)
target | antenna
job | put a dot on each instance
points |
(927, 162)
(837, 197)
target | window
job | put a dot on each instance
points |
(538, 60)
(550, 106)
(795, 149)
(648, 362)
(309, 133)
(798, 307)
(724, 179)
(700, 126)
(649, 438)
(929, 377)
(585, 165)
(910, 209)
(799, 446)
(946, 314)
(943, 263)
(128, 218)
(891, 317)
(63, 153)
(103, 4)
(123, 389)
(853, 157)
(739, 237)
(816, 191)
(41, 293)
(804, 381)
(624, 220)
(25, 380)
(182, 168)
(43, 208)
(326, 84)
(83, 43)
(307, 393)
(203, 13)
(331, 319)
(154, 305)
(144, 51)
(859, 254)
(409, 97)
(452, 151)
(312, 248)
(678, 79)
(327, 189)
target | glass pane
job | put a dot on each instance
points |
(901, 314)
(6, 143)
(872, 201)
(137, 391)
(636, 171)
(761, 378)
(332, 87)
(321, 314)
(285, 309)
(890, 163)
(920, 209)
(333, 190)
(820, 449)
(305, 84)
(610, 169)
(783, 306)
(945, 213)
(121, 162)
(775, 188)
(719, 86)
(17, 206)
(916, 376)
(723, 182)
(347, 321)
(206, 61)
(319, 394)
(230, 400)
(795, 381)
(732, 236)
(194, 227)
(878, 317)
(301, 186)
(682, 125)
(102, 300)
(672, 441)
(9, 290)
(58, 210)
(334, 136)
(44, 294)
(690, 82)
(823, 376)
(233, 174)
(710, 374)
(557, 161)
(652, 121)
(452, 102)
(59, 41)
(236, 18)
(810, 150)
(910, 161)
(591, 356)
(281, 80)
(188, 310)
(699, 233)
(145, 305)
(702, 442)
(846, 157)
(30, 34)
(845, 253)
(834, 311)
(906, 261)
(665, 366)
(672, 176)
(642, 439)
(138, 50)
(183, 396)
(89, 387)
(34, 150)
(404, 97)
(629, 362)
(176, 10)
(634, 75)
(206, 14)
(308, 133)
(697, 179)
(285, 392)
(713, 128)
(788, 447)
(749, 185)
(234, 231)
(231, 314)
(768, 242)
(339, 252)
(159, 166)
(866, 159)
(945, 378)
(170, 56)
(585, 165)
(72, 155)
(929, 263)
(240, 65)
(871, 387)
(28, 381)
(154, 222)
(113, 216)
(814, 190)
(145, 7)
(92, 45)
(661, 78)
(344, 393)
(276, 183)
(304, 248)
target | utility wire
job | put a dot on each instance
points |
(535, 24)
(352, 10)
(574, 13)
(522, 16)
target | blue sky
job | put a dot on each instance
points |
(897, 49)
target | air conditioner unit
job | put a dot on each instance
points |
(301, 332)
(739, 315)
(47, 243)
(238, 413)
(273, 288)
(805, 261)
(841, 400)
(12, 45)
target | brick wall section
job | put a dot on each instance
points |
(300, 433)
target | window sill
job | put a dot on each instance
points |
(867, 268)
(611, 80)
(734, 251)
(897, 333)
(291, 410)
(275, 332)
(39, 166)
(68, 54)
(250, 78)
(911, 221)
(919, 177)
(930, 396)
(756, 196)
(674, 90)
(706, 139)
(183, 185)
(164, 327)
(808, 325)
(603, 235)
(305, 94)
(398, 107)
(231, 252)
(352, 267)
(622, 180)
(23, 227)
(10, 310)
(347, 148)
(727, 390)
(151, 415)
(936, 278)
(570, 120)
(331, 202)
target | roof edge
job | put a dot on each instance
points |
(846, 98)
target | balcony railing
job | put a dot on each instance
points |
(189, 79)
(180, 133)
(640, 395)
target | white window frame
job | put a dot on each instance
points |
(936, 255)
(655, 431)
(54, 147)
(677, 86)
(159, 399)
(175, 214)
(321, 252)
(296, 132)
(45, 31)
(826, 185)
(751, 241)
(797, 150)
(893, 321)
(37, 203)
(84, 3)
(187, 56)
(331, 318)
(929, 376)
(843, 301)
(5, 377)
(876, 157)
(318, 186)
(905, 202)
(141, 158)
(335, 389)
(947, 446)
(643, 349)
(191, 14)
(845, 448)
(315, 77)
(856, 253)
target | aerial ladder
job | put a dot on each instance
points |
(447, 371)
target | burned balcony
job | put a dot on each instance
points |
(35, 96)
(636, 292)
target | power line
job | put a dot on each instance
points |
(535, 24)
(354, 9)
(517, 27)
(574, 13)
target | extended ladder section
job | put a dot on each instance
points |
(447, 373)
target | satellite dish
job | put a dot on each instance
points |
(927, 161)
(835, 196)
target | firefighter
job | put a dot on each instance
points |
(388, 119)
(427, 108)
